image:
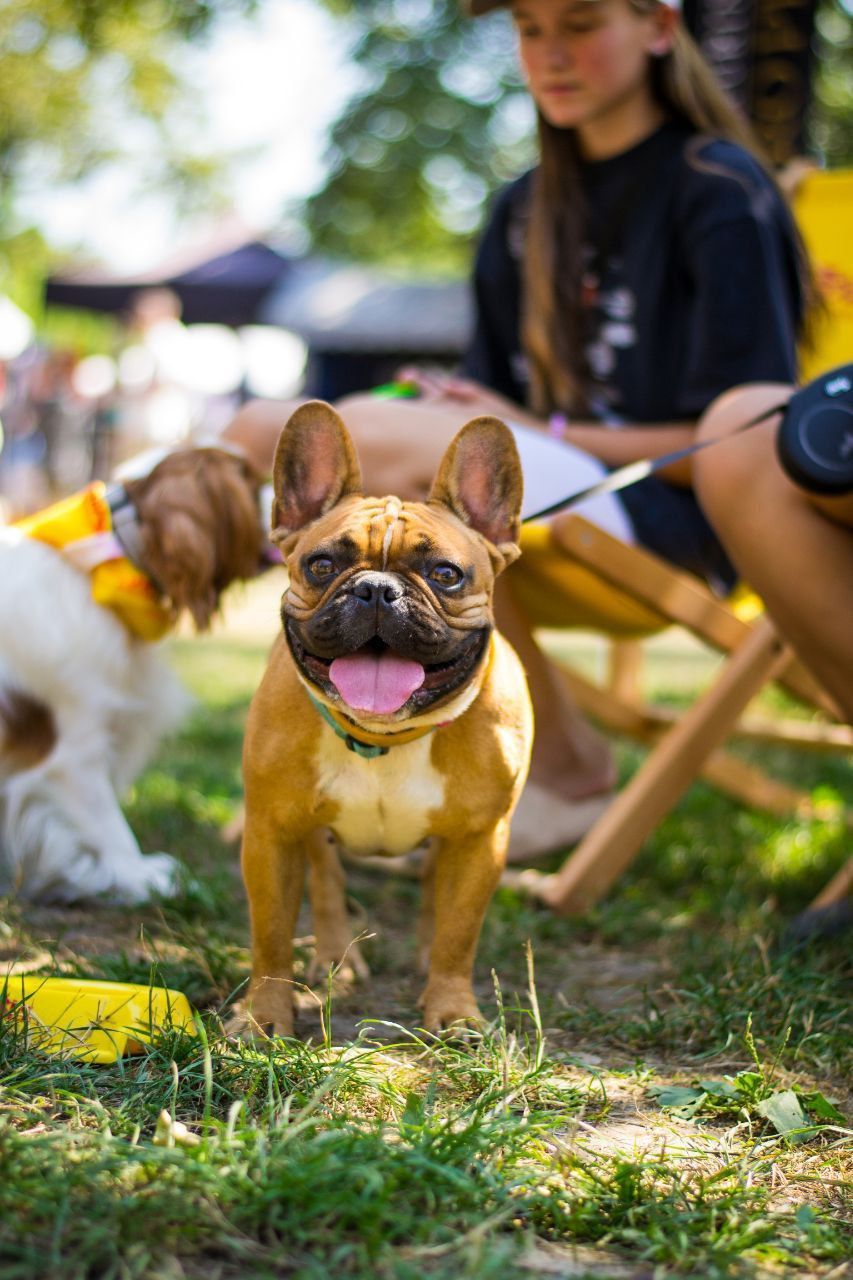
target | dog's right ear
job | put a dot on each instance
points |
(479, 479)
(315, 466)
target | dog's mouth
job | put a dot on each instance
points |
(379, 680)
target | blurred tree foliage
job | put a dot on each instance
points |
(79, 77)
(26, 259)
(831, 122)
(442, 120)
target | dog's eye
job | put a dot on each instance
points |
(446, 575)
(321, 567)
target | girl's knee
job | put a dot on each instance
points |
(739, 405)
(356, 403)
(725, 474)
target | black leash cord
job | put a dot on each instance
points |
(635, 471)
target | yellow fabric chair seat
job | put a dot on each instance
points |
(556, 591)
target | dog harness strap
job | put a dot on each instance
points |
(86, 554)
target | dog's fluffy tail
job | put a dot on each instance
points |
(27, 731)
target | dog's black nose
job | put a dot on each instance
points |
(376, 589)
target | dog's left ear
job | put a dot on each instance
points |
(315, 466)
(479, 479)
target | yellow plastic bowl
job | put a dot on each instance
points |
(91, 1020)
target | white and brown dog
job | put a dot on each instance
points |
(84, 696)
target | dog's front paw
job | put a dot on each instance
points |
(151, 875)
(267, 1011)
(448, 1003)
(347, 964)
(243, 1025)
(163, 874)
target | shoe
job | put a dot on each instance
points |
(545, 823)
(817, 924)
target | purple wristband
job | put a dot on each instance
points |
(557, 424)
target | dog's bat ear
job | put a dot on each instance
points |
(479, 479)
(315, 466)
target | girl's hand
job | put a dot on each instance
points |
(432, 384)
(436, 385)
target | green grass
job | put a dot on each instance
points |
(627, 1102)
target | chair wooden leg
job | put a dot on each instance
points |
(626, 667)
(616, 838)
(647, 724)
(752, 787)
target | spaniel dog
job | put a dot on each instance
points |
(85, 696)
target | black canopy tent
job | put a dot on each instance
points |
(360, 324)
(228, 288)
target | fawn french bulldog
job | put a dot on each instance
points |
(392, 713)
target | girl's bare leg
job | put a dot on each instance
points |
(794, 548)
(570, 758)
(400, 442)
(256, 427)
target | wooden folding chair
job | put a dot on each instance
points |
(597, 582)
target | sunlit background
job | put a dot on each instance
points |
(207, 200)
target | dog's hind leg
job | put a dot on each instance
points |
(426, 916)
(334, 946)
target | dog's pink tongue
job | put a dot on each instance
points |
(379, 682)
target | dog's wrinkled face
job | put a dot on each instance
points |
(389, 605)
(389, 608)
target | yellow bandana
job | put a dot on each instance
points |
(81, 528)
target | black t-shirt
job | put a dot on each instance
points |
(697, 290)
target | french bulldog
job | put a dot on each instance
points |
(392, 715)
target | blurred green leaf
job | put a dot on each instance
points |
(682, 1102)
(719, 1088)
(784, 1112)
(821, 1108)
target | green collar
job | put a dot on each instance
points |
(369, 750)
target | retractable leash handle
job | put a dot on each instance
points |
(815, 439)
(814, 444)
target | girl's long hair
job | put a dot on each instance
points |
(552, 321)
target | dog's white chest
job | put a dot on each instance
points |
(384, 803)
